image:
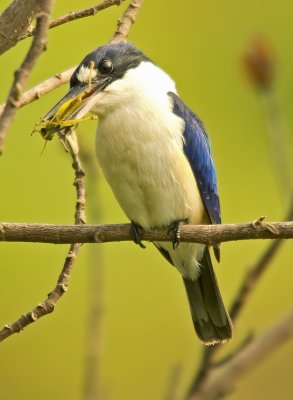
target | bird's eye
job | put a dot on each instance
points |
(106, 67)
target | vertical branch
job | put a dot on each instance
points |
(172, 384)
(22, 74)
(48, 305)
(91, 383)
(260, 66)
(278, 143)
(69, 141)
(91, 387)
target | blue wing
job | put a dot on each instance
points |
(198, 152)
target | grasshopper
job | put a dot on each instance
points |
(48, 128)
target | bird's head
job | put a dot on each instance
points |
(98, 83)
(111, 76)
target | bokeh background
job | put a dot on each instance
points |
(146, 327)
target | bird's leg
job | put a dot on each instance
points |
(136, 231)
(174, 229)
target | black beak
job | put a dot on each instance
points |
(76, 104)
(73, 93)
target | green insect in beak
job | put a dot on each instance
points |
(60, 118)
(48, 128)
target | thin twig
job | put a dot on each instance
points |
(24, 71)
(223, 378)
(279, 145)
(206, 234)
(61, 78)
(253, 276)
(256, 272)
(92, 361)
(49, 304)
(260, 65)
(72, 146)
(173, 383)
(43, 88)
(127, 20)
(202, 372)
(74, 15)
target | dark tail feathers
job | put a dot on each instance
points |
(210, 318)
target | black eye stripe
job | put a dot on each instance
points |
(106, 66)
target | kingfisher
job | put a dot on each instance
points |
(156, 156)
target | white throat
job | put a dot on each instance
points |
(146, 83)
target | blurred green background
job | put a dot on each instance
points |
(146, 327)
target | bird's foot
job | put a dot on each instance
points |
(136, 231)
(174, 229)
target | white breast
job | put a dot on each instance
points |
(139, 146)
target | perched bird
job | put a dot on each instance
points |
(156, 156)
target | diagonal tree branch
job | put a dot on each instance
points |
(15, 20)
(22, 74)
(70, 143)
(127, 20)
(43, 88)
(74, 15)
(241, 297)
(122, 31)
(222, 378)
(256, 272)
(61, 78)
(260, 66)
